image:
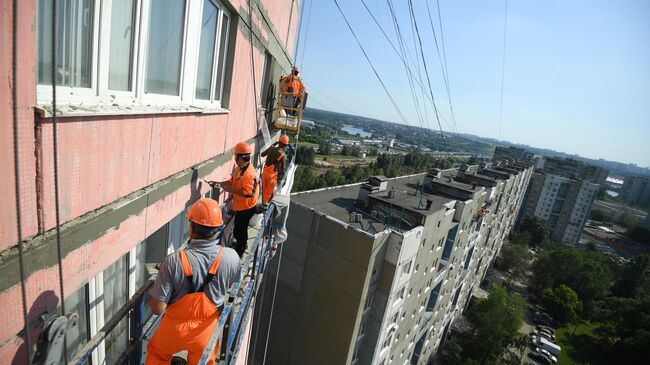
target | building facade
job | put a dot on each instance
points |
(561, 192)
(375, 273)
(151, 96)
(636, 191)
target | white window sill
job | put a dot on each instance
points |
(101, 109)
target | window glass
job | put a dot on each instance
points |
(164, 50)
(115, 296)
(74, 26)
(121, 45)
(206, 49)
(77, 336)
(223, 43)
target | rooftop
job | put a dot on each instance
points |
(338, 202)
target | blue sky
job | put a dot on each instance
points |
(577, 73)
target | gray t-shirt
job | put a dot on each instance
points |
(171, 284)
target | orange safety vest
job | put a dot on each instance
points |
(293, 84)
(247, 182)
(269, 182)
(188, 323)
(270, 178)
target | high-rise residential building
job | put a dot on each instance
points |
(636, 191)
(512, 153)
(151, 97)
(561, 192)
(375, 273)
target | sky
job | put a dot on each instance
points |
(576, 80)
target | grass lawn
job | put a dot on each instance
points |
(338, 157)
(579, 348)
(307, 144)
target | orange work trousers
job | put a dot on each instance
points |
(186, 325)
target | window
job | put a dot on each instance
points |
(122, 25)
(164, 47)
(406, 268)
(400, 294)
(387, 342)
(214, 35)
(74, 42)
(123, 51)
(115, 296)
(77, 336)
(369, 302)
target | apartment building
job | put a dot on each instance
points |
(375, 273)
(151, 97)
(636, 191)
(561, 192)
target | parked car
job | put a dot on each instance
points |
(540, 357)
(542, 321)
(548, 354)
(543, 333)
(545, 328)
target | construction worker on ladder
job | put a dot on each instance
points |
(292, 84)
(243, 186)
(190, 288)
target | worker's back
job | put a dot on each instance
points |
(200, 254)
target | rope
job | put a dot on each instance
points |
(19, 231)
(56, 172)
(275, 287)
(304, 43)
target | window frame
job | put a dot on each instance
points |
(223, 14)
(69, 93)
(104, 92)
(99, 92)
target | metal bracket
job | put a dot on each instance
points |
(50, 345)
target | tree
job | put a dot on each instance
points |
(639, 234)
(324, 148)
(513, 257)
(451, 352)
(586, 274)
(305, 156)
(496, 322)
(597, 215)
(537, 228)
(634, 280)
(522, 238)
(563, 304)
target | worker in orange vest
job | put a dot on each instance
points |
(293, 85)
(276, 154)
(190, 288)
(245, 190)
(270, 178)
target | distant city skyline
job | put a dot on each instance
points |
(577, 74)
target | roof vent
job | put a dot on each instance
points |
(429, 203)
(391, 193)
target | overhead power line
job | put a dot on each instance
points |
(383, 85)
(503, 64)
(442, 58)
(424, 62)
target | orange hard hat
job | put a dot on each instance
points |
(205, 212)
(296, 69)
(284, 139)
(242, 148)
